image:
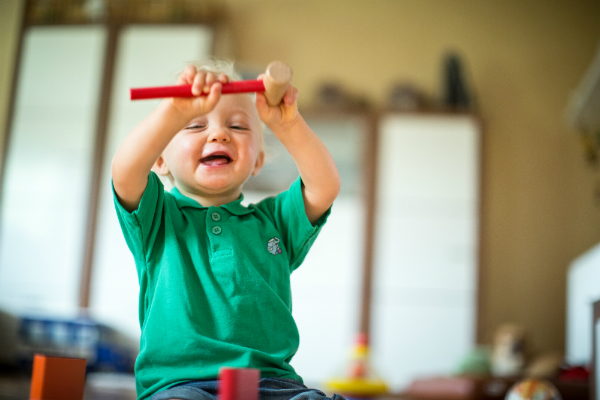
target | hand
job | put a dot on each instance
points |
(205, 85)
(281, 116)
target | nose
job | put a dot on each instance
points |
(218, 134)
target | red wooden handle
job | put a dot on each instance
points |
(159, 92)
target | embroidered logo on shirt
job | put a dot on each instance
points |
(273, 246)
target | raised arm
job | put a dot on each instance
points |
(141, 148)
(318, 171)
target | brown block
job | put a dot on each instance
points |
(57, 378)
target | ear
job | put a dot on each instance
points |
(260, 161)
(160, 167)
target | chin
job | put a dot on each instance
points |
(219, 187)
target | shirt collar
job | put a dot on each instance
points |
(235, 207)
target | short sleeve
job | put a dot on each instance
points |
(289, 216)
(141, 226)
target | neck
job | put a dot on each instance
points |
(215, 200)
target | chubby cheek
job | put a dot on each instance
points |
(188, 145)
(252, 150)
(186, 150)
(179, 155)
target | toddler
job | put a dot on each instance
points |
(214, 274)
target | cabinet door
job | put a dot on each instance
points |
(426, 245)
(146, 56)
(48, 168)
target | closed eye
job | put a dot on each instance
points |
(194, 127)
(239, 127)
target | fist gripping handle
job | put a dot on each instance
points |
(274, 83)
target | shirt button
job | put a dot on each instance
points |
(216, 230)
(215, 216)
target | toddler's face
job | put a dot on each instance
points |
(217, 152)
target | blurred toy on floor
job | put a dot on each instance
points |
(360, 380)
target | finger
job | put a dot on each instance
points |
(211, 79)
(198, 83)
(290, 96)
(213, 96)
(187, 76)
(223, 78)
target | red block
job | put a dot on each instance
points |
(238, 384)
(57, 378)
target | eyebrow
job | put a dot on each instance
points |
(196, 119)
(240, 111)
(192, 123)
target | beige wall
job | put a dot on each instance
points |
(10, 22)
(524, 59)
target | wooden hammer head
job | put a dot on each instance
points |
(277, 79)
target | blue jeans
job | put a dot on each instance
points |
(269, 389)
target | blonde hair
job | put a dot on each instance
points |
(218, 66)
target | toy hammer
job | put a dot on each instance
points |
(274, 83)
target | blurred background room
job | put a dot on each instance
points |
(462, 248)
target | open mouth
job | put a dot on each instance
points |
(216, 159)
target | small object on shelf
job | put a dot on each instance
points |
(508, 352)
(405, 97)
(334, 96)
(360, 380)
(238, 383)
(533, 389)
(476, 363)
(455, 92)
(57, 378)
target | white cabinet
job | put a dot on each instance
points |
(424, 302)
(45, 188)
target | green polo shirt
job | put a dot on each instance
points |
(215, 284)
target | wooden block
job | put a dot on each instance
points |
(57, 378)
(238, 384)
